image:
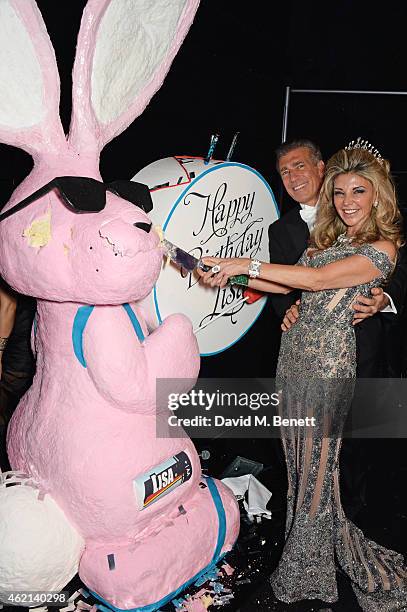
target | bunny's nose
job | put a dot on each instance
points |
(146, 227)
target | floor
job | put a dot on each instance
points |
(382, 518)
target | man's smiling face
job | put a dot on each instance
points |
(302, 175)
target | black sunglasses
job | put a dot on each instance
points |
(87, 195)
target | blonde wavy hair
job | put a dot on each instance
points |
(384, 222)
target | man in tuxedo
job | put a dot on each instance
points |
(301, 168)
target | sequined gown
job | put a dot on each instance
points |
(321, 346)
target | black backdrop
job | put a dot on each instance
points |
(229, 76)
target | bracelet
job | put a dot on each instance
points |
(254, 268)
(3, 343)
(241, 279)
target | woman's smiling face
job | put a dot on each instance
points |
(353, 200)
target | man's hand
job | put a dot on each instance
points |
(291, 316)
(367, 307)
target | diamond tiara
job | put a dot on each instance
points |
(364, 144)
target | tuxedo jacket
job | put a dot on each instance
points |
(288, 239)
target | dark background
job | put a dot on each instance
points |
(230, 75)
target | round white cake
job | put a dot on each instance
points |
(222, 209)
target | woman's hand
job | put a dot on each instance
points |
(222, 269)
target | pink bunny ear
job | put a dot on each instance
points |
(125, 49)
(29, 81)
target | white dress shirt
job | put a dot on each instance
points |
(308, 214)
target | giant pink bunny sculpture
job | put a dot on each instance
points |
(86, 430)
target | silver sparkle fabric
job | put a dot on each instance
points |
(321, 347)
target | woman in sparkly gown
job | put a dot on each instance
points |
(352, 249)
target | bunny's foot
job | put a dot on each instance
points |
(40, 549)
(154, 569)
